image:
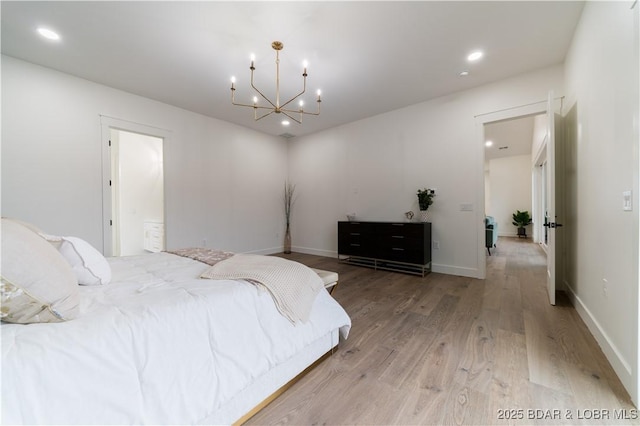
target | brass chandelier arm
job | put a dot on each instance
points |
(286, 112)
(304, 89)
(233, 101)
(255, 113)
(301, 111)
(260, 93)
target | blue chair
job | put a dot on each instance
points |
(491, 233)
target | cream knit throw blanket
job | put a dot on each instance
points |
(292, 285)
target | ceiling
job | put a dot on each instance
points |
(510, 137)
(367, 57)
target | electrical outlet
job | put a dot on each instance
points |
(436, 245)
(605, 287)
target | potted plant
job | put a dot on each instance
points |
(425, 199)
(521, 219)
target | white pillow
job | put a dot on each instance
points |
(88, 264)
(37, 285)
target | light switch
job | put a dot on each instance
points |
(466, 207)
(626, 201)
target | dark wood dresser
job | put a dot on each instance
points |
(394, 246)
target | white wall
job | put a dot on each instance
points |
(373, 167)
(510, 189)
(223, 182)
(601, 77)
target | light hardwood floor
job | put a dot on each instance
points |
(452, 350)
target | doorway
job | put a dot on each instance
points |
(496, 117)
(508, 166)
(134, 190)
(550, 174)
(137, 193)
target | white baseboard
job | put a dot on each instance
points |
(295, 249)
(620, 365)
(272, 250)
(455, 270)
(307, 250)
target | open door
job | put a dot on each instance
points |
(552, 205)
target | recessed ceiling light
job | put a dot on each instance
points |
(474, 56)
(48, 34)
(464, 73)
(488, 143)
(285, 123)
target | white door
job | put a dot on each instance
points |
(551, 200)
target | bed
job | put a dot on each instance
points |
(158, 344)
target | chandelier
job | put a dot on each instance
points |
(276, 107)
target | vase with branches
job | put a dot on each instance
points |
(289, 193)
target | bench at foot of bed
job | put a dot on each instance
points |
(329, 278)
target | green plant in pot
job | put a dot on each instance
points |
(425, 199)
(521, 219)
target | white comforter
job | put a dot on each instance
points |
(157, 345)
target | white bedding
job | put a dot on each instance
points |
(157, 345)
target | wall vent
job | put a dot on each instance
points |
(287, 135)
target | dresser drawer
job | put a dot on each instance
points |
(356, 239)
(402, 254)
(399, 241)
(401, 230)
(154, 236)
